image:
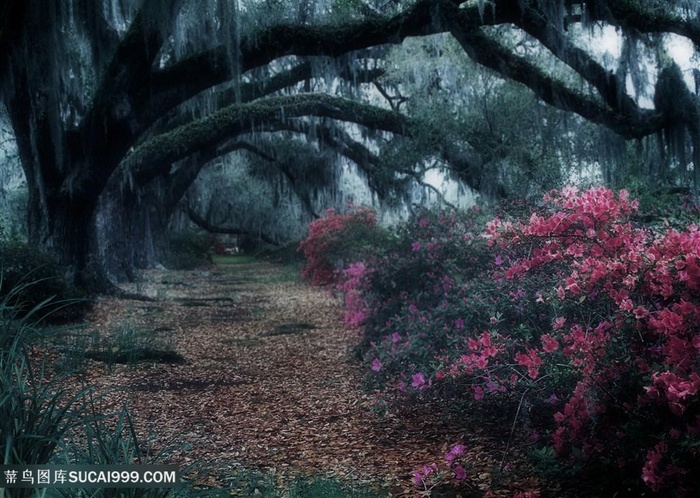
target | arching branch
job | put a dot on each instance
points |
(161, 151)
(176, 84)
(646, 18)
(252, 90)
(488, 52)
(204, 224)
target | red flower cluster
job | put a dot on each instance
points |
(328, 242)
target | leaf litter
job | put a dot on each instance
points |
(270, 381)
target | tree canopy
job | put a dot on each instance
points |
(118, 105)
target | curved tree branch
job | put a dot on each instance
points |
(489, 53)
(249, 91)
(640, 17)
(553, 38)
(202, 223)
(176, 84)
(153, 155)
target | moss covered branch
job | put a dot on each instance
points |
(153, 155)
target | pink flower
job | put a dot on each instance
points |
(457, 450)
(417, 478)
(626, 305)
(549, 344)
(640, 312)
(376, 365)
(459, 323)
(478, 393)
(415, 246)
(395, 337)
(460, 473)
(418, 380)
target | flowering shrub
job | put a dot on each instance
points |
(337, 239)
(353, 287)
(581, 323)
(415, 283)
(627, 322)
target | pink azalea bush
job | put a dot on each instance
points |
(334, 239)
(582, 323)
(627, 323)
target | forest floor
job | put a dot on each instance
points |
(269, 381)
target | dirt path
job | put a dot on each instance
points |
(268, 382)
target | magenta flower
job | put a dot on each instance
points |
(376, 365)
(460, 473)
(417, 478)
(549, 344)
(418, 380)
(640, 312)
(395, 337)
(457, 450)
(415, 246)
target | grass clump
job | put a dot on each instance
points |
(126, 345)
(35, 410)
